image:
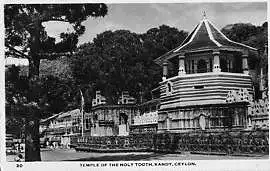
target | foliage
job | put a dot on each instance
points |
(16, 89)
(156, 42)
(24, 29)
(255, 36)
(23, 21)
(123, 61)
(58, 68)
(55, 95)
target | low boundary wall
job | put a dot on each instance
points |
(223, 143)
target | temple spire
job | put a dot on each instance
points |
(204, 15)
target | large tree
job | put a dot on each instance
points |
(24, 29)
(58, 95)
(120, 60)
(15, 88)
(255, 36)
(108, 63)
(156, 42)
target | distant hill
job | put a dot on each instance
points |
(230, 26)
(255, 36)
(59, 68)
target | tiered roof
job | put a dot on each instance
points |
(205, 36)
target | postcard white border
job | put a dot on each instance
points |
(208, 165)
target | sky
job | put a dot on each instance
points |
(184, 16)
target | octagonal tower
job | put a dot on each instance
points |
(207, 66)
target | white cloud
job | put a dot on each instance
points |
(55, 28)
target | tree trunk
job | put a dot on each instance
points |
(32, 142)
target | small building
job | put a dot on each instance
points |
(110, 120)
(197, 77)
(59, 127)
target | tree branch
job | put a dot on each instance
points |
(53, 55)
(47, 19)
(16, 51)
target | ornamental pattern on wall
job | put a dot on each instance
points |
(242, 95)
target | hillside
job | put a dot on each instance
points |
(59, 68)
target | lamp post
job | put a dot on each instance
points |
(82, 105)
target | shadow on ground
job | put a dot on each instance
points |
(120, 157)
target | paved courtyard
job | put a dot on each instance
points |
(72, 155)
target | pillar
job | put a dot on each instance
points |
(181, 68)
(216, 65)
(245, 63)
(165, 70)
(168, 123)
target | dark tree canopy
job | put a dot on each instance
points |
(23, 21)
(156, 42)
(55, 94)
(255, 36)
(162, 39)
(15, 90)
(24, 29)
(120, 60)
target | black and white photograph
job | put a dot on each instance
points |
(127, 82)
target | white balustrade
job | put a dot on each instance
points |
(146, 118)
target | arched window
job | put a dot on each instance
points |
(201, 66)
(169, 88)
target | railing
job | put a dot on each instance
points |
(199, 71)
(146, 118)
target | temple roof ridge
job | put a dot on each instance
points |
(204, 37)
(204, 15)
(229, 39)
(207, 32)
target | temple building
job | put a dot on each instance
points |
(110, 119)
(198, 77)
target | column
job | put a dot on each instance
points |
(168, 123)
(245, 63)
(216, 66)
(165, 70)
(181, 69)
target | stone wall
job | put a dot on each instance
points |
(227, 142)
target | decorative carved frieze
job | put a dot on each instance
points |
(200, 112)
(259, 108)
(241, 95)
(258, 111)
